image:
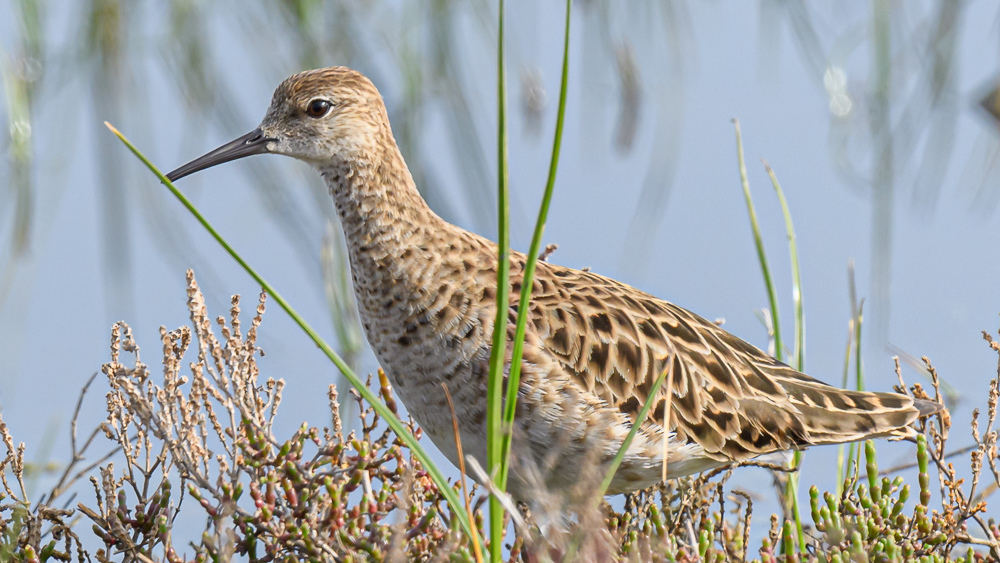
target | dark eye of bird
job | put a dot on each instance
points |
(318, 108)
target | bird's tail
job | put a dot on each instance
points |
(837, 415)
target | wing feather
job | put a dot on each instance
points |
(729, 397)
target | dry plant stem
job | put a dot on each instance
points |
(746, 524)
(950, 484)
(77, 454)
(990, 443)
(911, 465)
(217, 429)
(985, 448)
(14, 459)
(39, 525)
(667, 412)
(461, 468)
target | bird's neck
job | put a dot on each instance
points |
(388, 226)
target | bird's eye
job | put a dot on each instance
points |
(318, 107)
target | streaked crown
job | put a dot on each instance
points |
(326, 115)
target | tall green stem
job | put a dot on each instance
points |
(514, 378)
(772, 295)
(799, 354)
(494, 390)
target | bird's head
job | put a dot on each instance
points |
(323, 116)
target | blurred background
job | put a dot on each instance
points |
(880, 119)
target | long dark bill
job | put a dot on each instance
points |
(252, 143)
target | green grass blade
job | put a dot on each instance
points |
(859, 367)
(772, 295)
(847, 369)
(799, 353)
(617, 461)
(529, 269)
(494, 389)
(853, 450)
(842, 463)
(859, 370)
(383, 411)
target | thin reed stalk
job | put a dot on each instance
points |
(791, 489)
(799, 353)
(643, 413)
(772, 295)
(494, 389)
(532, 260)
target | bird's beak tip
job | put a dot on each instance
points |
(254, 142)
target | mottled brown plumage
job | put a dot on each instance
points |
(594, 346)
